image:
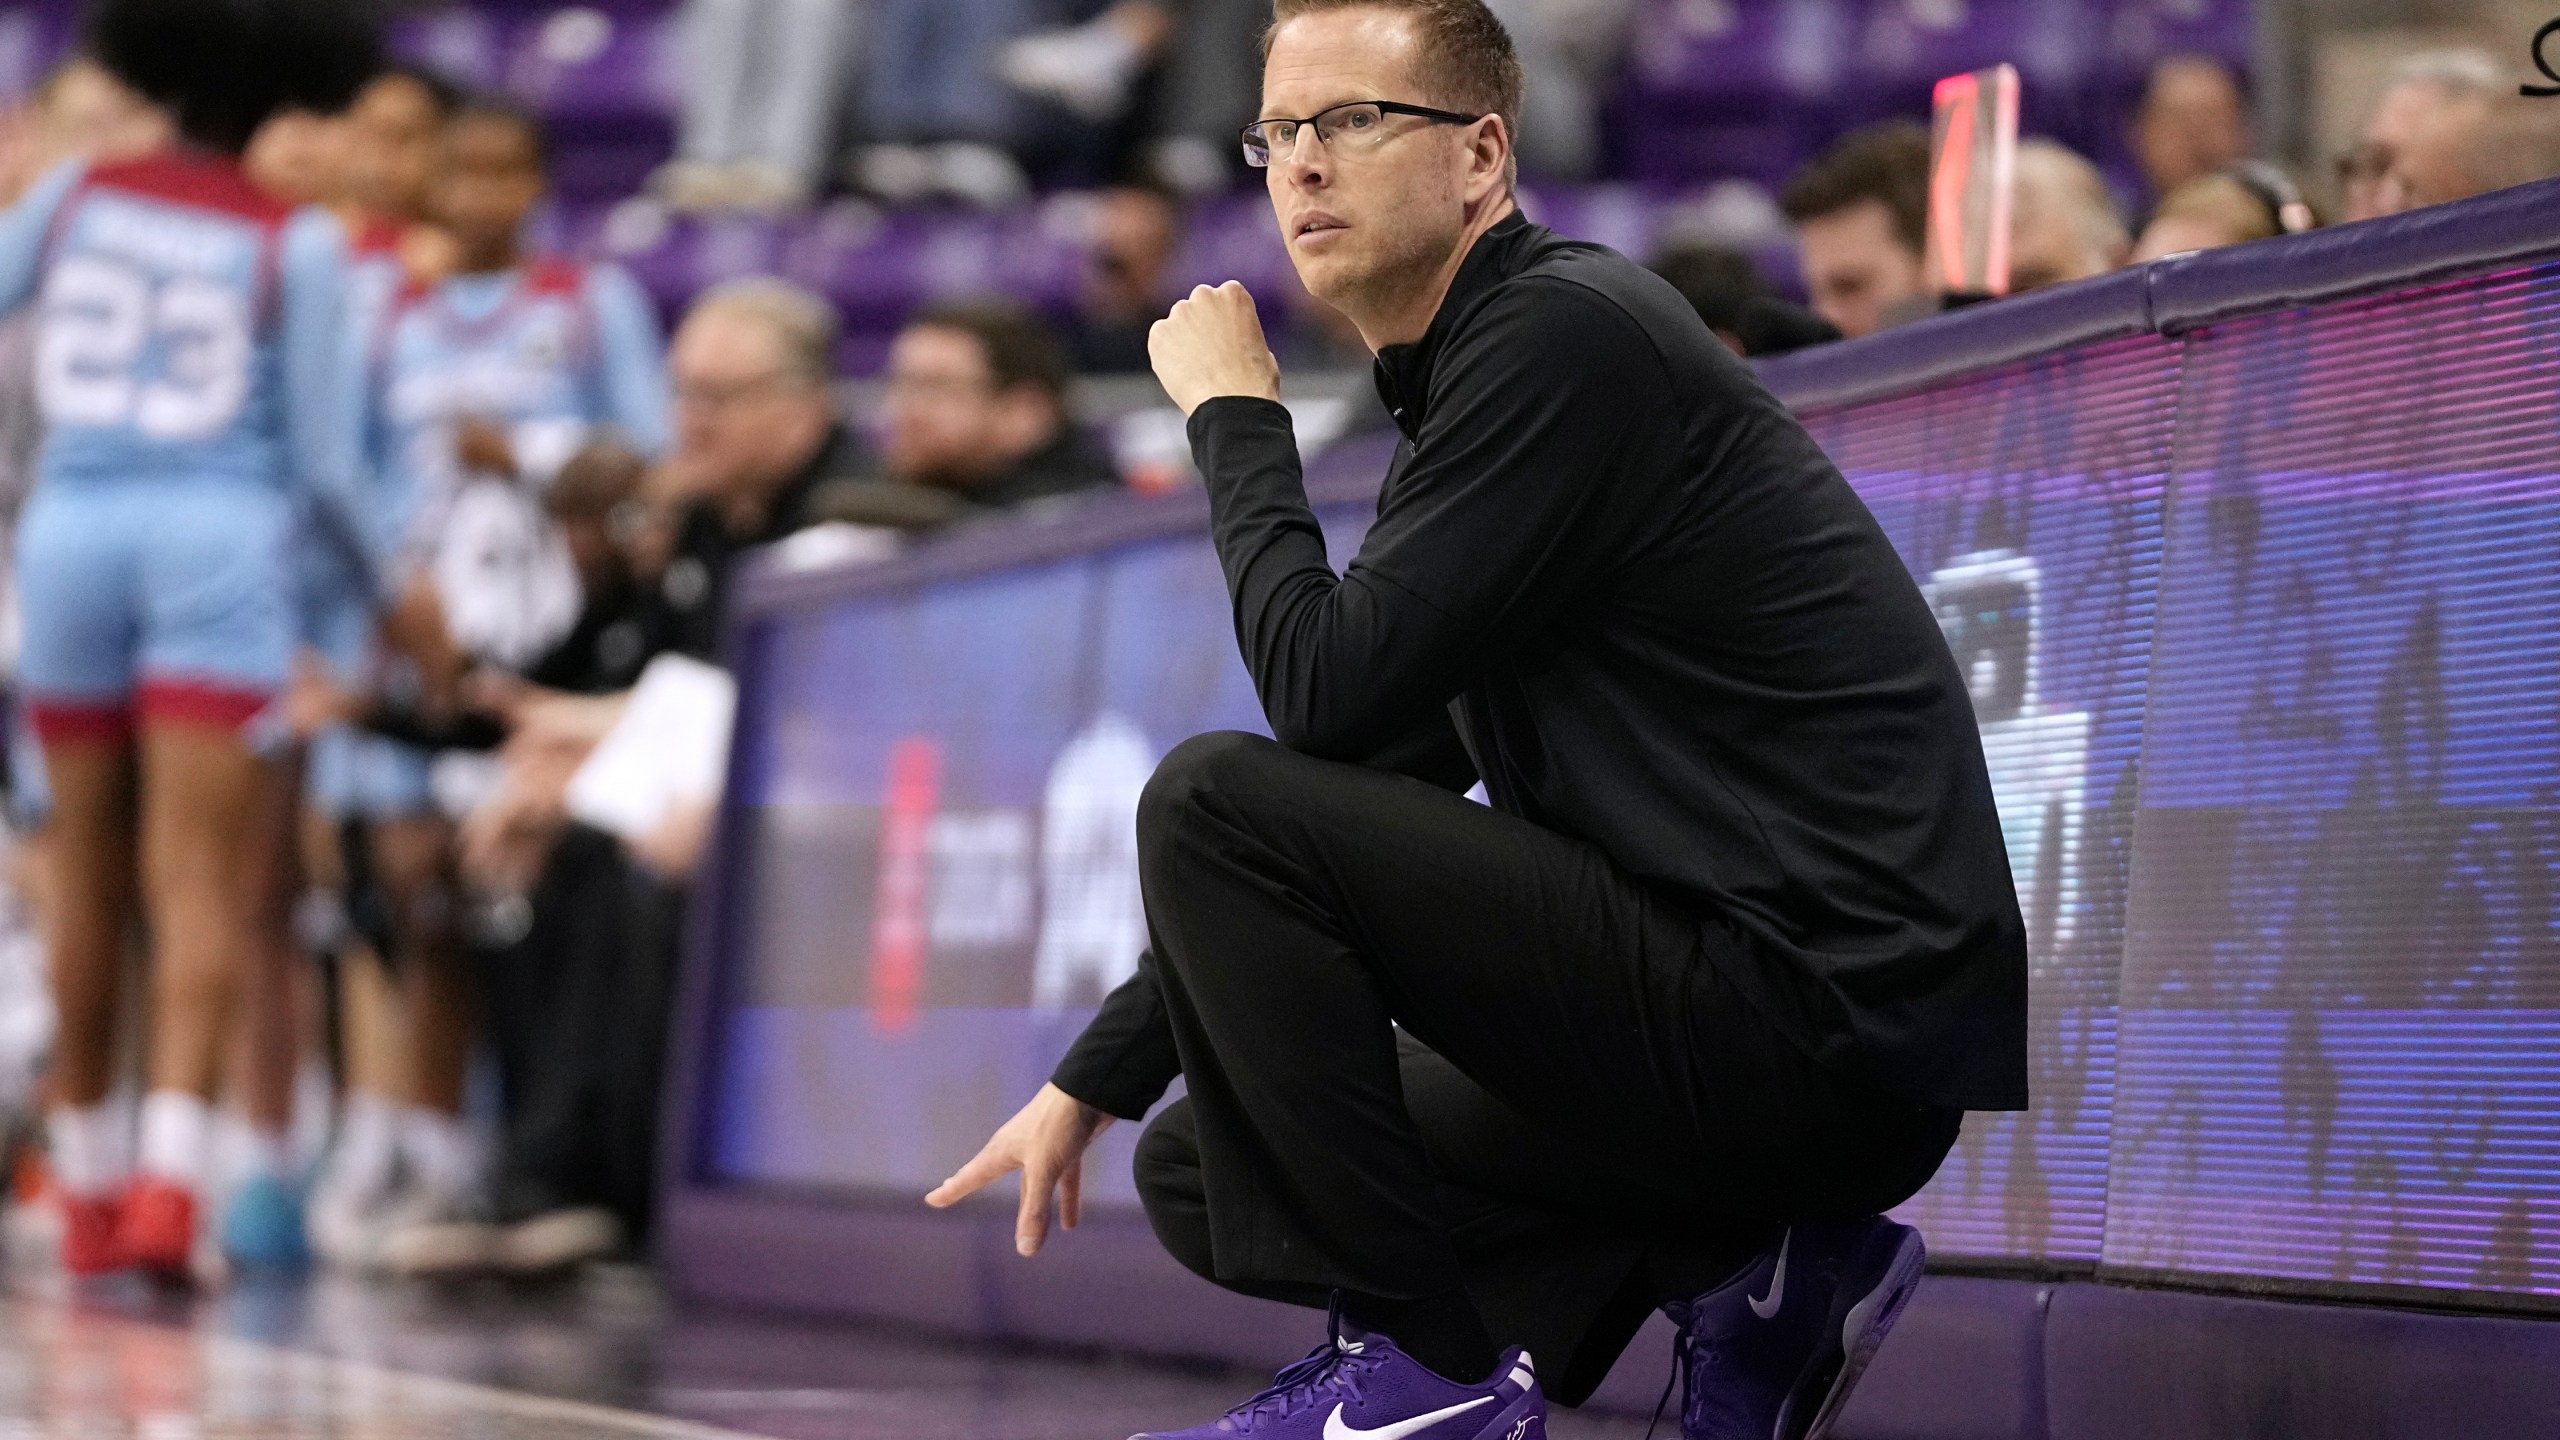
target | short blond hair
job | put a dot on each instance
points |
(803, 322)
(1468, 60)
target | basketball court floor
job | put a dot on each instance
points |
(606, 1357)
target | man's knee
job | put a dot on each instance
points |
(1200, 768)
(1167, 1170)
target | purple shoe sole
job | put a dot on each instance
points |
(1862, 1333)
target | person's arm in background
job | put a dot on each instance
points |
(631, 357)
(24, 228)
(325, 391)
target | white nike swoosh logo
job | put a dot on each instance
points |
(1767, 1305)
(1335, 1429)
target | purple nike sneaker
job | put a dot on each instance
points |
(1367, 1389)
(1772, 1353)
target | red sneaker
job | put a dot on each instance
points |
(159, 1232)
(91, 1244)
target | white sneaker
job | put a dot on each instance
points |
(559, 1240)
(980, 175)
(896, 173)
(768, 189)
(1089, 69)
(344, 1213)
(1190, 165)
(690, 185)
(430, 1249)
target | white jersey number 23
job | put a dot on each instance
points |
(101, 320)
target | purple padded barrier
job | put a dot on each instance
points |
(2047, 474)
(2125, 1364)
(1912, 357)
(2473, 237)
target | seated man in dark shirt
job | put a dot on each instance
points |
(977, 409)
(758, 445)
(1710, 982)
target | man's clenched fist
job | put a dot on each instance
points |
(1212, 345)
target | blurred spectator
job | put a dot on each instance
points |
(1094, 68)
(300, 157)
(1569, 52)
(395, 142)
(2248, 201)
(938, 119)
(1862, 214)
(1717, 281)
(2064, 225)
(756, 437)
(763, 81)
(977, 407)
(79, 109)
(2420, 144)
(2194, 121)
(1135, 231)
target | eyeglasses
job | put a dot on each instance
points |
(724, 394)
(2365, 164)
(1358, 125)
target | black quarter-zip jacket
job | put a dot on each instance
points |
(1653, 616)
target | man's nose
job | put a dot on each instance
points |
(1304, 160)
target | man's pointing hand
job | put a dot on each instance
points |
(1212, 345)
(1046, 1142)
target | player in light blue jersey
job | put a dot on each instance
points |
(188, 327)
(499, 373)
(373, 167)
(476, 389)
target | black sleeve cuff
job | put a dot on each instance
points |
(1124, 1061)
(1229, 435)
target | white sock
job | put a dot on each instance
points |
(368, 1144)
(440, 1149)
(176, 1129)
(88, 1148)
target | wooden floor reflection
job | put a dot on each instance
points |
(70, 1372)
(607, 1357)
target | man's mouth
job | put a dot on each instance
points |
(1316, 224)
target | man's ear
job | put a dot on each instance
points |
(1489, 165)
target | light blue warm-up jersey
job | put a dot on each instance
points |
(551, 353)
(191, 329)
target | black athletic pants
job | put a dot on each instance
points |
(578, 1012)
(1583, 1117)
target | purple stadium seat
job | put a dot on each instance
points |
(1730, 87)
(580, 62)
(2138, 33)
(461, 43)
(1906, 46)
(33, 39)
(879, 268)
(606, 84)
